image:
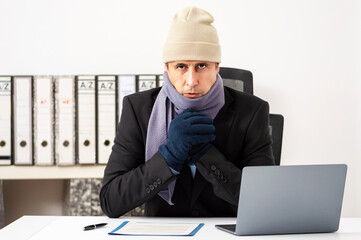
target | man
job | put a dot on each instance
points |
(180, 149)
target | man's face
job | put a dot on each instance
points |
(192, 79)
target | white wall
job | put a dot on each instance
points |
(305, 57)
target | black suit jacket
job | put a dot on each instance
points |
(242, 139)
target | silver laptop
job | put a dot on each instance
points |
(289, 199)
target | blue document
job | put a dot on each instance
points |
(156, 229)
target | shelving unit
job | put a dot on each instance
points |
(51, 172)
(41, 189)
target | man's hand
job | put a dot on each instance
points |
(186, 130)
(197, 152)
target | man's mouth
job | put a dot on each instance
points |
(192, 95)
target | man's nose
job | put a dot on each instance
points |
(192, 78)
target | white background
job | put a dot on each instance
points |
(305, 56)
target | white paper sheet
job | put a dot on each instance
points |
(157, 229)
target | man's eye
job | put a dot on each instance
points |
(201, 66)
(181, 67)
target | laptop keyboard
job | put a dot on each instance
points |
(231, 227)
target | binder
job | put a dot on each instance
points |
(146, 82)
(86, 135)
(22, 98)
(126, 85)
(65, 120)
(5, 120)
(160, 80)
(43, 120)
(106, 116)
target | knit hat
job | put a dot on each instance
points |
(192, 36)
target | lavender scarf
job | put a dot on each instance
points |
(170, 103)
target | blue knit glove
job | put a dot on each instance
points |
(187, 129)
(197, 152)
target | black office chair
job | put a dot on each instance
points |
(276, 129)
(239, 79)
(242, 80)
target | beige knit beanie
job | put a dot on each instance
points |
(192, 36)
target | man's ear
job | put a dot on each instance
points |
(166, 67)
(217, 67)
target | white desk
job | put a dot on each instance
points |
(68, 228)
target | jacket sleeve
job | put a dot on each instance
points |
(128, 181)
(225, 175)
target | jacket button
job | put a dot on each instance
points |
(213, 167)
(217, 172)
(224, 180)
(155, 184)
(159, 181)
(151, 187)
(195, 212)
(147, 190)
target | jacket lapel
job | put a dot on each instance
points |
(223, 123)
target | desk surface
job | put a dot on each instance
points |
(66, 227)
